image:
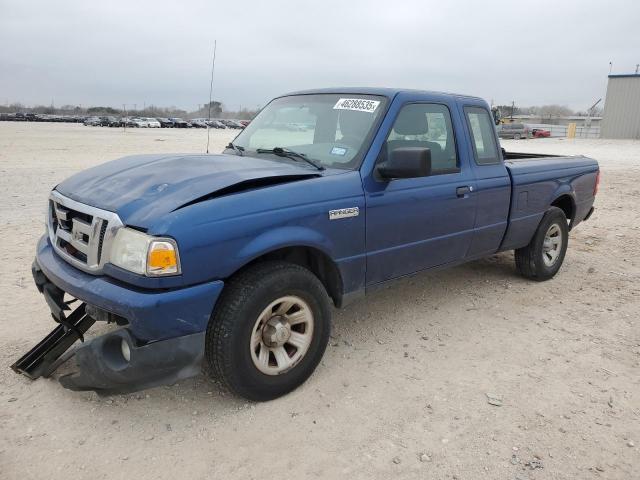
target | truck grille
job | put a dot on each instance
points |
(81, 234)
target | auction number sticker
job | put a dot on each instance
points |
(357, 104)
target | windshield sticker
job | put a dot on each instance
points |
(357, 104)
(338, 151)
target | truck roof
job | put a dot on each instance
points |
(385, 92)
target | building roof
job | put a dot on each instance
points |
(625, 75)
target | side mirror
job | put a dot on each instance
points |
(406, 162)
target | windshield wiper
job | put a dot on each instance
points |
(285, 152)
(236, 148)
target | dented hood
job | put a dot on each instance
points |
(143, 187)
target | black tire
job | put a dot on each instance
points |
(530, 259)
(244, 297)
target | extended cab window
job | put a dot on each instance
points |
(426, 125)
(484, 140)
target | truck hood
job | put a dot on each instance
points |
(142, 188)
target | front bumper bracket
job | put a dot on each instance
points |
(42, 359)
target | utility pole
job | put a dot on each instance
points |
(124, 118)
(513, 104)
(213, 68)
(637, 67)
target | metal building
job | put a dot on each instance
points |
(621, 118)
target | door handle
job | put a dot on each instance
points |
(463, 191)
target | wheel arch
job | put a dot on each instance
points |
(567, 204)
(300, 246)
(313, 259)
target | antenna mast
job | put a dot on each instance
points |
(213, 67)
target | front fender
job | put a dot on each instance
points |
(218, 237)
(283, 237)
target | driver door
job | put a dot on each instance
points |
(418, 223)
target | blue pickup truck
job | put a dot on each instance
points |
(233, 262)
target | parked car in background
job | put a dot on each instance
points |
(514, 130)
(165, 122)
(152, 122)
(42, 117)
(540, 133)
(180, 123)
(139, 122)
(127, 122)
(107, 121)
(216, 124)
(231, 124)
(92, 121)
(244, 122)
(198, 123)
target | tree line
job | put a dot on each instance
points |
(546, 111)
(217, 111)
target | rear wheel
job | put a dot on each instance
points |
(516, 136)
(543, 257)
(269, 330)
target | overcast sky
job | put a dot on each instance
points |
(159, 52)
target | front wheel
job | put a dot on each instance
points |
(269, 330)
(543, 257)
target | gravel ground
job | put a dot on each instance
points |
(406, 387)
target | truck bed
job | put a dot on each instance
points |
(523, 156)
(531, 167)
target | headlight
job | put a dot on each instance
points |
(143, 254)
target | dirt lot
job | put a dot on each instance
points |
(402, 389)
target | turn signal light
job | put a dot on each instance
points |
(162, 258)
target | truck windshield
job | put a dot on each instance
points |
(330, 129)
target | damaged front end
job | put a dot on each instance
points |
(47, 355)
(115, 362)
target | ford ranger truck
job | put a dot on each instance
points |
(234, 261)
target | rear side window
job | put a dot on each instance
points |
(482, 133)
